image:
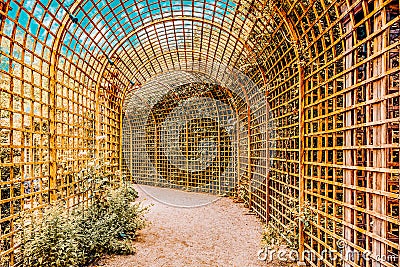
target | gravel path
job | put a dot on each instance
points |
(193, 229)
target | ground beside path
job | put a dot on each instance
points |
(193, 229)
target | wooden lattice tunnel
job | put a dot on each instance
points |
(291, 103)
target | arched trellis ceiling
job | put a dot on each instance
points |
(140, 39)
(161, 50)
(137, 100)
(173, 29)
(134, 34)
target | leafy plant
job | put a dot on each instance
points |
(109, 226)
(76, 238)
(243, 194)
(274, 236)
(97, 179)
(51, 240)
(271, 236)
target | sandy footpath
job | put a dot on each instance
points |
(193, 229)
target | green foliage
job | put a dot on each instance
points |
(271, 236)
(51, 240)
(299, 214)
(243, 194)
(59, 238)
(98, 179)
(288, 236)
(108, 226)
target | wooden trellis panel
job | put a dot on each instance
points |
(48, 115)
(186, 131)
(345, 80)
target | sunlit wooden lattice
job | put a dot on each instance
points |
(325, 88)
(189, 130)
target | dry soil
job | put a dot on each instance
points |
(193, 229)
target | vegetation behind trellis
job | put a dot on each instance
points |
(61, 237)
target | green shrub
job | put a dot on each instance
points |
(271, 237)
(274, 236)
(51, 240)
(77, 238)
(108, 227)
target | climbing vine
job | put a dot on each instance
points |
(288, 235)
